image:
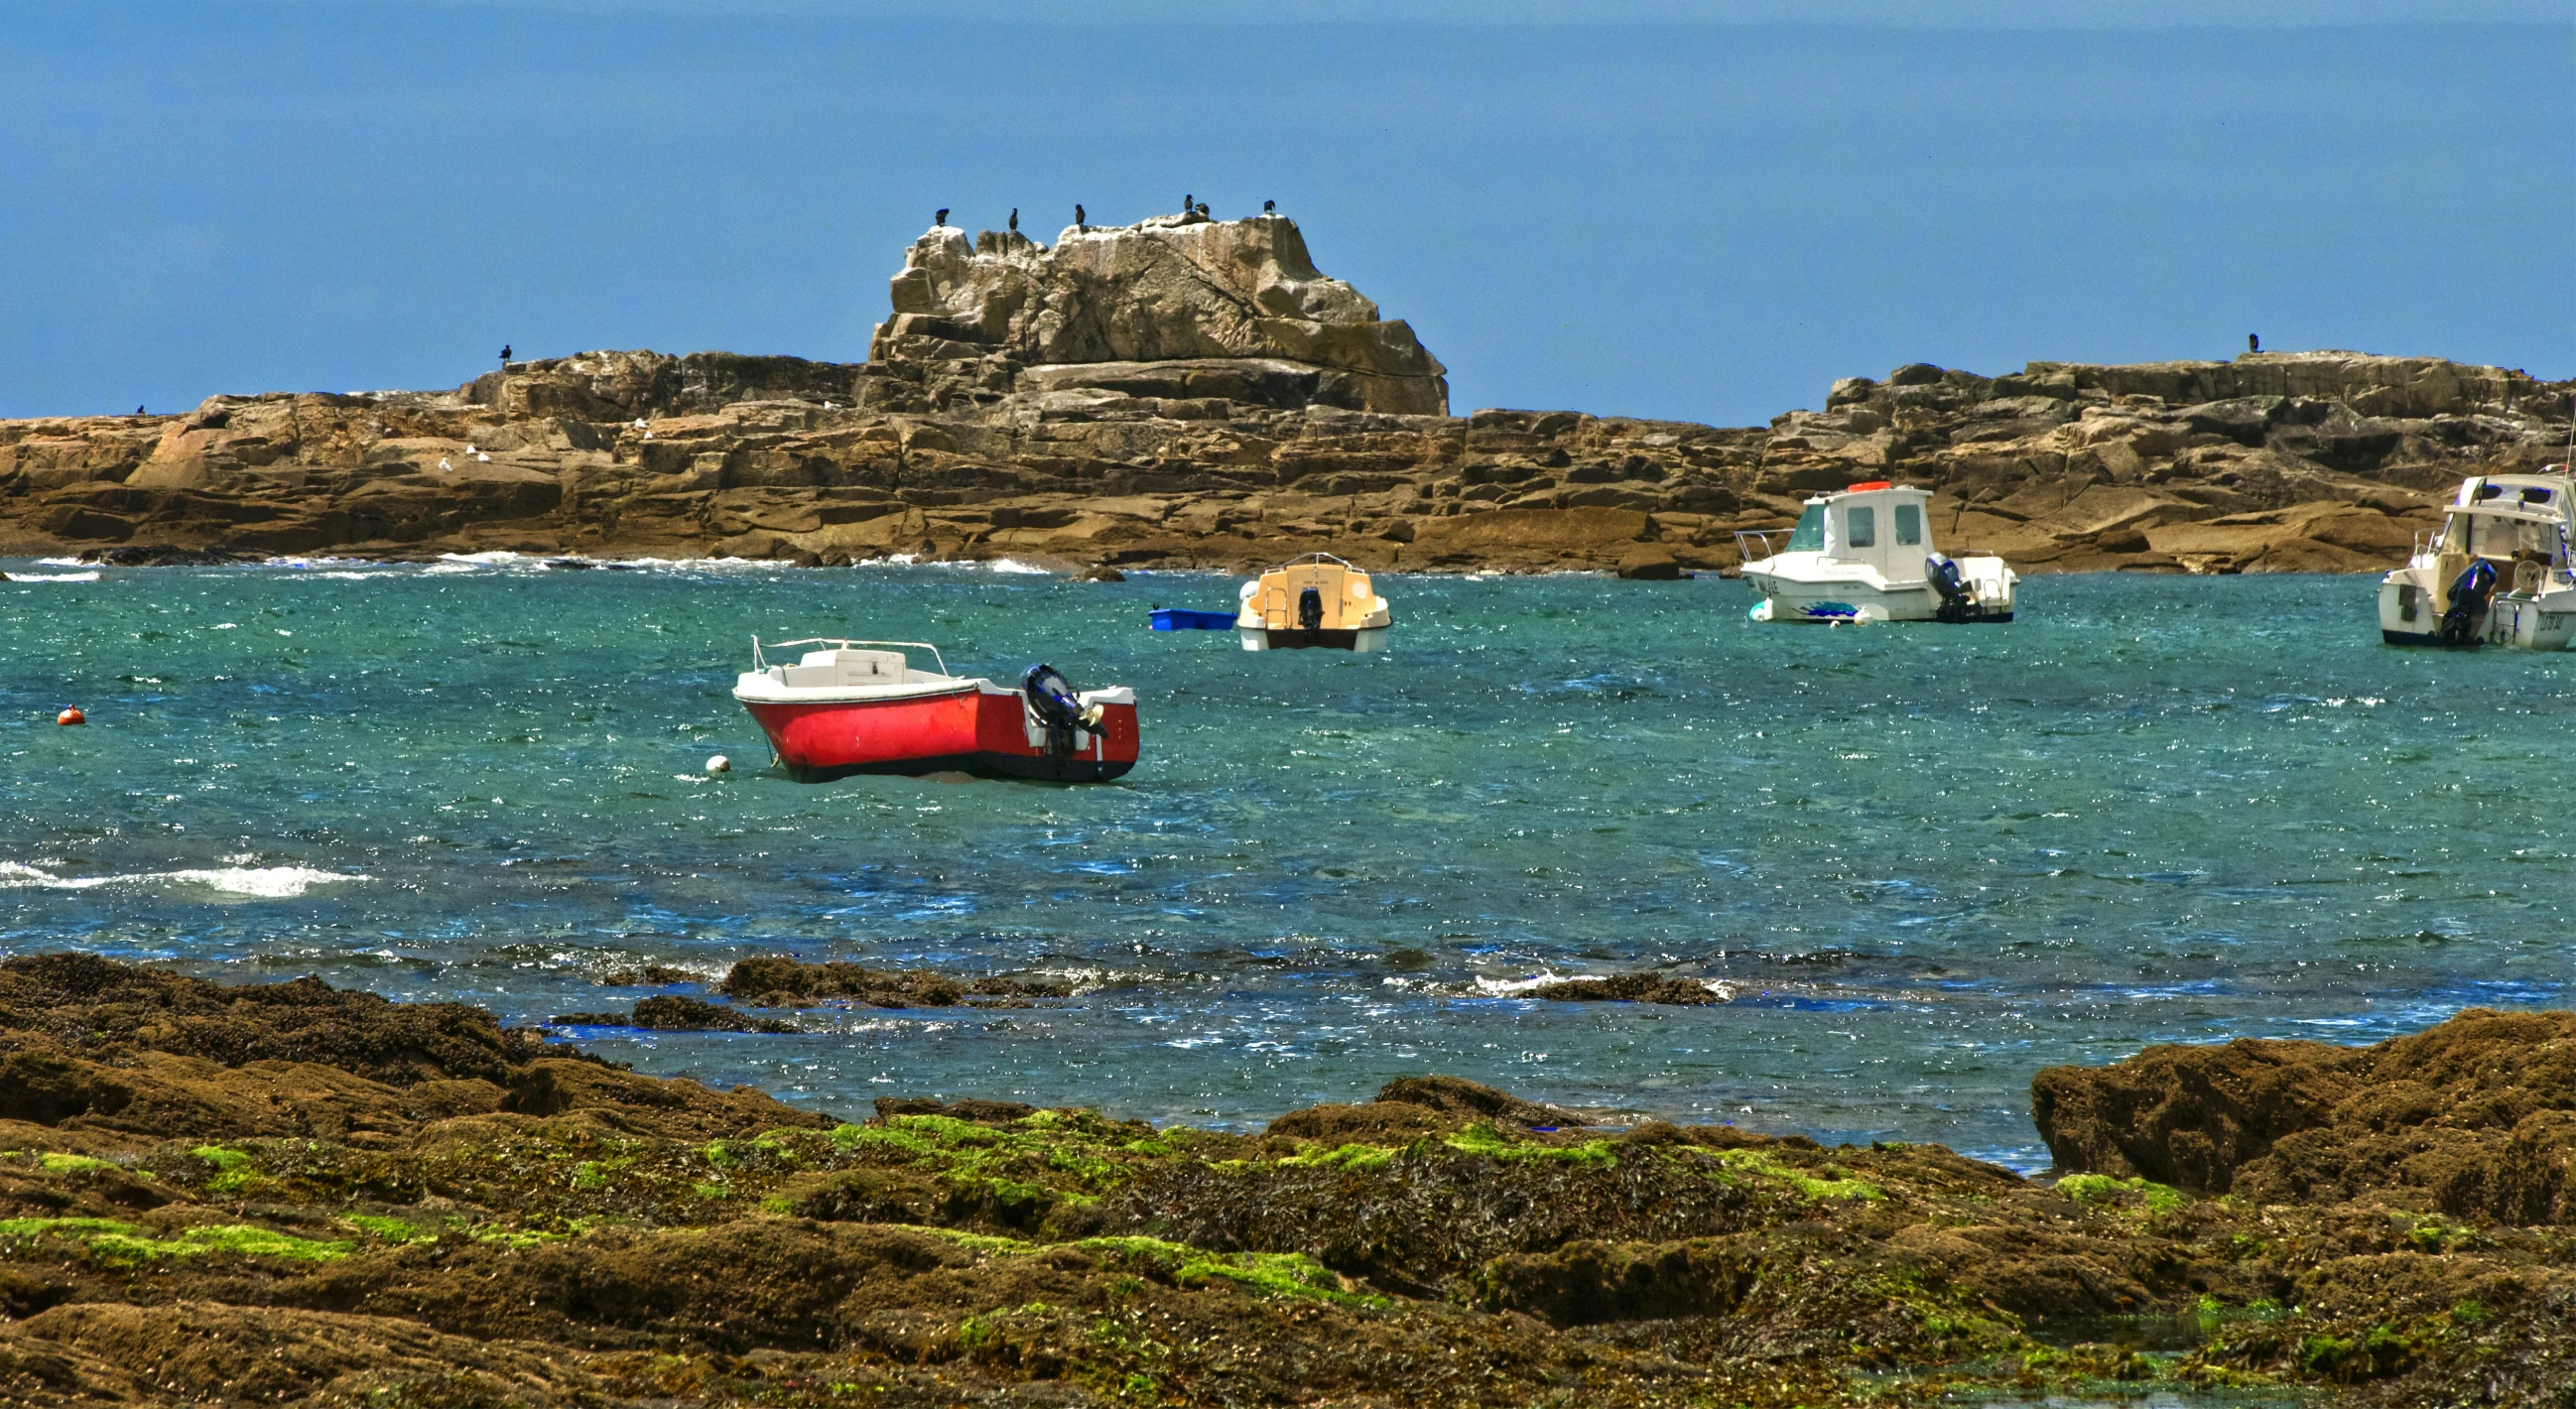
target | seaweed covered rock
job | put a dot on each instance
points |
(2477, 1116)
(575, 1234)
(1631, 988)
(75, 1005)
(1415, 1105)
(791, 983)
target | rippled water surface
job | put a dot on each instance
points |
(1923, 862)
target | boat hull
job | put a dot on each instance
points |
(1256, 638)
(2409, 615)
(975, 730)
(1850, 603)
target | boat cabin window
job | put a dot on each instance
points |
(1809, 537)
(2494, 536)
(1909, 525)
(1860, 527)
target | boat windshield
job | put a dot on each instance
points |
(2496, 536)
(1809, 537)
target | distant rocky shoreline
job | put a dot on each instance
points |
(1187, 393)
(287, 1193)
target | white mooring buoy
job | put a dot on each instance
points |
(719, 764)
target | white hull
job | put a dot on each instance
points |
(1836, 604)
(1805, 587)
(1258, 638)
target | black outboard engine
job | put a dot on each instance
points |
(1310, 610)
(2469, 594)
(1052, 703)
(1957, 605)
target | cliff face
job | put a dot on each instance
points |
(1195, 393)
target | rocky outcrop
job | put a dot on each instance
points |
(317, 1197)
(2283, 462)
(1176, 308)
(2476, 1117)
(1193, 393)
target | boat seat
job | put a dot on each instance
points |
(844, 667)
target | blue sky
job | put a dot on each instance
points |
(1702, 211)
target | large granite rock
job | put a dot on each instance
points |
(1108, 306)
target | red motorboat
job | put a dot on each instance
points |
(860, 707)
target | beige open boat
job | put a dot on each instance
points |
(1318, 600)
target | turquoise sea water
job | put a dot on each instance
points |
(1923, 861)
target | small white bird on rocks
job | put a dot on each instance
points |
(469, 449)
(719, 764)
(639, 423)
(486, 459)
(442, 463)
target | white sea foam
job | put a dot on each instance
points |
(53, 577)
(262, 882)
(1013, 566)
(1501, 986)
(60, 562)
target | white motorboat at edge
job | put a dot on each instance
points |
(2497, 571)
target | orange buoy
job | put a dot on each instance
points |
(71, 716)
(1869, 484)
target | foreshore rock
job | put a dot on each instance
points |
(1193, 393)
(369, 1202)
(2475, 1118)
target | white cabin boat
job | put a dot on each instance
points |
(2496, 572)
(1866, 554)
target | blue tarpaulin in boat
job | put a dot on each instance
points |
(1181, 619)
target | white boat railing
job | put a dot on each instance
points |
(1744, 552)
(760, 662)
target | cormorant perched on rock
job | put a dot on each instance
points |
(1269, 207)
(138, 410)
(1203, 214)
(505, 352)
(1077, 215)
(1186, 206)
(941, 219)
(1015, 220)
(2253, 343)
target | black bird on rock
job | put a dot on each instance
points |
(1269, 207)
(2253, 343)
(1203, 211)
(941, 218)
(1186, 206)
(138, 410)
(505, 352)
(1077, 215)
(1015, 220)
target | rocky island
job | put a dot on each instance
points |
(290, 1194)
(1185, 392)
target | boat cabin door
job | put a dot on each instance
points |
(1887, 529)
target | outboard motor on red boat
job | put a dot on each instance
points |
(1053, 704)
(1956, 605)
(2469, 594)
(1310, 610)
